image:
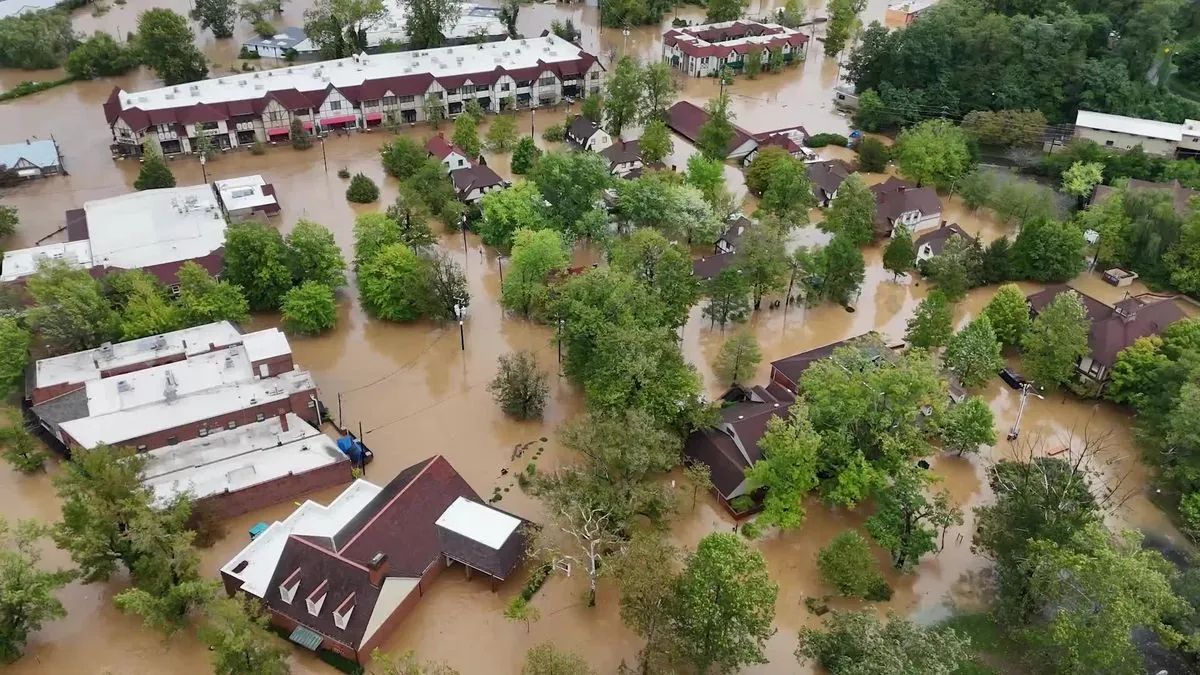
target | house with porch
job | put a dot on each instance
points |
(625, 159)
(355, 93)
(342, 576)
(584, 134)
(897, 202)
(703, 50)
(1113, 328)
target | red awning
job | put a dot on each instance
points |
(371, 117)
(339, 120)
(279, 131)
(307, 125)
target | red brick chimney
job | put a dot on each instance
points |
(377, 568)
(283, 421)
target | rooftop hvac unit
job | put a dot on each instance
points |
(124, 386)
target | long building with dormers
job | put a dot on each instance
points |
(354, 93)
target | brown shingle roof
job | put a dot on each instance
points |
(895, 197)
(828, 176)
(937, 239)
(1114, 329)
(792, 367)
(342, 578)
(581, 129)
(621, 152)
(745, 421)
(711, 265)
(686, 119)
(477, 176)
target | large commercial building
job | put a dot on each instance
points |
(223, 416)
(152, 230)
(1166, 139)
(352, 93)
(702, 51)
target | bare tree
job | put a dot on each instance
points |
(579, 535)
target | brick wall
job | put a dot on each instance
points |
(275, 365)
(54, 391)
(234, 503)
(297, 403)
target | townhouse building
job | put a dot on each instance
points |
(354, 93)
(703, 50)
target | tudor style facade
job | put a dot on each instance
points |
(354, 93)
(702, 51)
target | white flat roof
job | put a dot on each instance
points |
(86, 365)
(25, 261)
(912, 6)
(152, 227)
(353, 71)
(262, 554)
(478, 522)
(182, 378)
(244, 193)
(265, 344)
(1167, 131)
(129, 423)
(474, 20)
(238, 458)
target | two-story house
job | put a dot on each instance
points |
(899, 203)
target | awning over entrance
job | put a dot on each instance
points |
(371, 117)
(338, 120)
(305, 638)
(279, 131)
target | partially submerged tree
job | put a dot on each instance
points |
(309, 308)
(520, 610)
(788, 469)
(738, 358)
(546, 659)
(930, 327)
(966, 426)
(1056, 340)
(900, 256)
(848, 565)
(906, 522)
(1009, 315)
(646, 573)
(858, 643)
(235, 631)
(27, 592)
(21, 449)
(853, 212)
(520, 387)
(973, 353)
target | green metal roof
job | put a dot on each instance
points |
(305, 638)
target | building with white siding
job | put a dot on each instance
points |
(702, 51)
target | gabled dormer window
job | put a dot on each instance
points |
(317, 598)
(341, 615)
(287, 590)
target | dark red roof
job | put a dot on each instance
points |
(291, 99)
(711, 265)
(1115, 328)
(112, 105)
(77, 225)
(477, 176)
(439, 147)
(743, 424)
(827, 176)
(792, 367)
(200, 112)
(687, 118)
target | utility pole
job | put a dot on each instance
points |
(324, 159)
(462, 335)
(203, 171)
(1016, 427)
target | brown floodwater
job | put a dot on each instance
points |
(416, 393)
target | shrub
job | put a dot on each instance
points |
(822, 140)
(519, 386)
(848, 565)
(343, 173)
(1189, 506)
(264, 28)
(362, 189)
(879, 591)
(258, 148)
(873, 155)
(247, 54)
(301, 139)
(536, 580)
(741, 503)
(309, 308)
(554, 133)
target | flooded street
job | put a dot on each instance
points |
(415, 393)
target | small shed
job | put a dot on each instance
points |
(481, 537)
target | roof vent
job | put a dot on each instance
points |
(124, 386)
(170, 97)
(241, 83)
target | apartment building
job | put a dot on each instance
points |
(702, 51)
(355, 93)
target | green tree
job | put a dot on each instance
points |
(524, 156)
(933, 152)
(974, 352)
(520, 610)
(873, 155)
(509, 11)
(622, 96)
(565, 30)
(656, 142)
(789, 195)
(9, 220)
(848, 565)
(707, 176)
(906, 522)
(843, 270)
(646, 574)
(658, 93)
(474, 109)
(100, 56)
(763, 261)
(843, 18)
(1005, 128)
(167, 585)
(1083, 177)
(435, 111)
(1096, 589)
(428, 22)
(1018, 201)
(728, 296)
(1009, 315)
(788, 469)
(725, 605)
(1047, 251)
(506, 211)
(309, 308)
(362, 189)
(238, 639)
(664, 267)
(930, 327)
(966, 426)
(411, 217)
(203, 299)
(407, 664)
(154, 174)
(536, 254)
(313, 255)
(166, 45)
(147, 310)
(957, 268)
(501, 135)
(218, 16)
(725, 10)
(858, 643)
(36, 40)
(298, 135)
(27, 593)
(546, 659)
(19, 447)
(761, 169)
(995, 267)
(520, 387)
(14, 354)
(900, 256)
(853, 212)
(753, 63)
(738, 359)
(1056, 340)
(338, 27)
(572, 183)
(69, 312)
(446, 288)
(466, 135)
(1134, 373)
(392, 284)
(977, 188)
(256, 259)
(402, 156)
(592, 108)
(713, 139)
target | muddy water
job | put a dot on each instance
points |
(415, 392)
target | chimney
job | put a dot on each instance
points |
(283, 422)
(377, 568)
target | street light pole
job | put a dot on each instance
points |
(500, 264)
(462, 335)
(532, 115)
(1016, 427)
(462, 225)
(203, 171)
(324, 159)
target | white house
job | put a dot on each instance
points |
(587, 135)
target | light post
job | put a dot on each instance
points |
(500, 264)
(324, 159)
(559, 341)
(462, 225)
(203, 171)
(532, 115)
(462, 335)
(1016, 427)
